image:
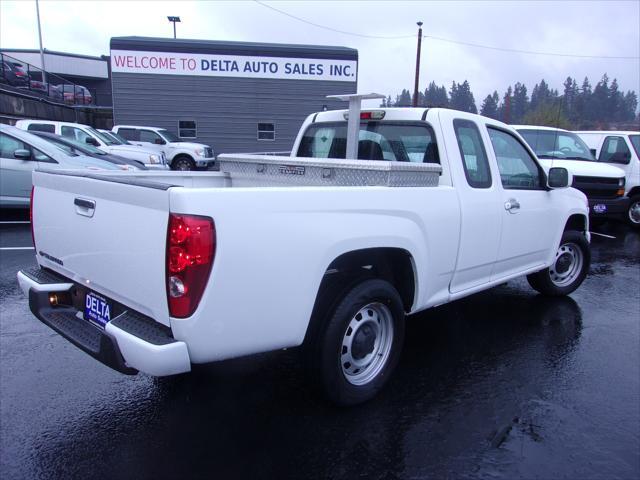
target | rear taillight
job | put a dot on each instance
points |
(191, 247)
(33, 238)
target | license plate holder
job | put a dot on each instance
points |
(599, 208)
(97, 309)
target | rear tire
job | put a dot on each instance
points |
(360, 344)
(569, 269)
(633, 212)
(183, 163)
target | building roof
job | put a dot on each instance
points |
(151, 44)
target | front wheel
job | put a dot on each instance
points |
(183, 163)
(633, 213)
(361, 344)
(569, 268)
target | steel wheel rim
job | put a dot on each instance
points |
(376, 317)
(567, 265)
(183, 166)
(634, 212)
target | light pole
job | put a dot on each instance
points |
(415, 88)
(174, 20)
(44, 73)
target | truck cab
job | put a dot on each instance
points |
(620, 149)
(604, 185)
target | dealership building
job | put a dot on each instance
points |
(235, 96)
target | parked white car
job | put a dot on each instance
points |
(329, 253)
(604, 185)
(180, 155)
(152, 159)
(620, 149)
(21, 153)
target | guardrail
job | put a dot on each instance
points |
(26, 77)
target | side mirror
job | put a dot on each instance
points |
(92, 141)
(22, 154)
(159, 141)
(558, 178)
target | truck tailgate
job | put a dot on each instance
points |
(117, 248)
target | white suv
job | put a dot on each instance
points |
(180, 155)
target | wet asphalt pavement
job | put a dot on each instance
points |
(503, 384)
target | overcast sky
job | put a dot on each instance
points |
(386, 65)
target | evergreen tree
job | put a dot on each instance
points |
(461, 97)
(599, 101)
(404, 99)
(570, 96)
(490, 106)
(520, 103)
(435, 96)
(541, 95)
(504, 111)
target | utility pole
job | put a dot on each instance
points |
(415, 88)
(44, 73)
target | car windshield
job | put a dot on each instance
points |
(101, 136)
(84, 147)
(168, 136)
(116, 138)
(635, 141)
(557, 144)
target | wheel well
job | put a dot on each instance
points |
(394, 265)
(634, 191)
(576, 222)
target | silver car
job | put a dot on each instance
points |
(22, 152)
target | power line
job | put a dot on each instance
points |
(362, 35)
(529, 52)
(447, 40)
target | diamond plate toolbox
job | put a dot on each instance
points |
(263, 170)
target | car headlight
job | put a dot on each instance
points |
(621, 182)
(199, 152)
(153, 159)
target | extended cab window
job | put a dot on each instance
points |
(474, 156)
(129, 134)
(400, 142)
(42, 127)
(615, 150)
(518, 169)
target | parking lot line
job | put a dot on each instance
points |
(17, 248)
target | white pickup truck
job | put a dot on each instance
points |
(154, 272)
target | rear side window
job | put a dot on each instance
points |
(615, 150)
(74, 133)
(42, 127)
(396, 142)
(518, 169)
(474, 156)
(130, 134)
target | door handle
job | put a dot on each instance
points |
(511, 205)
(84, 207)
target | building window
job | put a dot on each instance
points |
(187, 129)
(266, 131)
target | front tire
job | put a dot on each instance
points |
(183, 163)
(361, 343)
(633, 212)
(569, 268)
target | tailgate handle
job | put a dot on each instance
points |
(84, 207)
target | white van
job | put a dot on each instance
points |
(621, 149)
(180, 155)
(84, 133)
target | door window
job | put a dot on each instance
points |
(8, 145)
(615, 150)
(518, 169)
(75, 133)
(474, 156)
(149, 136)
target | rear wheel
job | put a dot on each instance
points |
(183, 163)
(633, 213)
(569, 268)
(361, 343)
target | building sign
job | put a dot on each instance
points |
(172, 63)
